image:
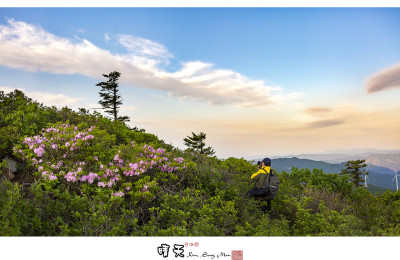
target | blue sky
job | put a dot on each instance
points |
(291, 79)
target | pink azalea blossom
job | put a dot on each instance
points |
(52, 177)
(39, 151)
(118, 194)
(134, 166)
(71, 177)
(90, 178)
(179, 160)
(88, 137)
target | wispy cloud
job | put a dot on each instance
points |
(330, 117)
(317, 110)
(324, 117)
(107, 37)
(218, 86)
(144, 47)
(29, 47)
(385, 79)
(350, 117)
(326, 123)
(46, 98)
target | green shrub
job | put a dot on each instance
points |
(10, 209)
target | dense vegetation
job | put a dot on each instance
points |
(81, 174)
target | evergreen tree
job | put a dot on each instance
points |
(353, 169)
(110, 94)
(196, 143)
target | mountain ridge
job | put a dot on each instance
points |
(336, 156)
(377, 175)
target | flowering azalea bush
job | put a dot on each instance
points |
(86, 157)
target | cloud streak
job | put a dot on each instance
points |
(324, 117)
(317, 110)
(29, 47)
(386, 79)
(325, 123)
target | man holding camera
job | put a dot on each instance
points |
(263, 190)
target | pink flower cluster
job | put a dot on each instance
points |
(59, 153)
(52, 129)
(39, 151)
(48, 176)
(71, 176)
(118, 194)
(179, 160)
(90, 177)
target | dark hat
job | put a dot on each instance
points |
(267, 161)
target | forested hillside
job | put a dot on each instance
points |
(81, 174)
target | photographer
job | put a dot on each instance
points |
(266, 184)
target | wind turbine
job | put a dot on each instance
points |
(366, 177)
(395, 176)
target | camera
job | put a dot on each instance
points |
(259, 164)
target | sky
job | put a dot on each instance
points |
(257, 81)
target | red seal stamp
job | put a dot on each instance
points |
(237, 255)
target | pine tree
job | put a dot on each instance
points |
(110, 94)
(196, 143)
(353, 169)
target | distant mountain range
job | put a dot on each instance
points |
(384, 158)
(378, 176)
(381, 166)
(391, 161)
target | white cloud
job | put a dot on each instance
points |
(8, 89)
(29, 47)
(47, 99)
(53, 99)
(143, 47)
(221, 86)
(106, 37)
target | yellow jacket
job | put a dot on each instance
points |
(260, 176)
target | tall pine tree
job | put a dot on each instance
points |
(111, 100)
(196, 143)
(354, 170)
